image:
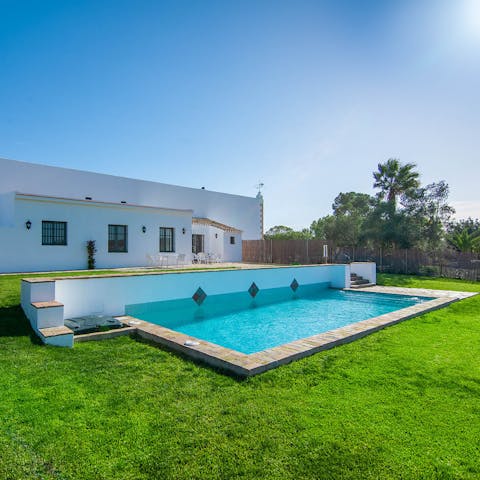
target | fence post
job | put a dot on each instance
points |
(307, 256)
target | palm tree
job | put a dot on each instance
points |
(394, 179)
(466, 242)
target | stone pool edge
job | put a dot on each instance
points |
(246, 365)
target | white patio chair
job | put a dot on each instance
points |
(162, 260)
(150, 260)
(201, 257)
(181, 259)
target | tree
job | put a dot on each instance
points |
(429, 207)
(394, 179)
(344, 227)
(282, 232)
(387, 227)
(465, 241)
(352, 203)
(470, 225)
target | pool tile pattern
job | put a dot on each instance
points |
(199, 296)
(294, 285)
(253, 290)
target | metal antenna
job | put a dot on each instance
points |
(259, 186)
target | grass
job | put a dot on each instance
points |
(402, 403)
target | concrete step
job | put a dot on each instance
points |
(59, 336)
(359, 281)
(362, 285)
(354, 276)
(46, 314)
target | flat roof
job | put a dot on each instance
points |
(123, 177)
(92, 202)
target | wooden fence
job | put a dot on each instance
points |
(445, 263)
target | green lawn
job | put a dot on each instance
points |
(401, 403)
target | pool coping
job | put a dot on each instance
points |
(246, 365)
(178, 271)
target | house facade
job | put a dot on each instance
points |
(48, 214)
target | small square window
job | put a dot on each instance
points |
(54, 233)
(118, 238)
(232, 240)
(167, 240)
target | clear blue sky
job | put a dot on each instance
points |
(306, 96)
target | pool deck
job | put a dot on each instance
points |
(244, 365)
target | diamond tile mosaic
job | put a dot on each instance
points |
(294, 285)
(199, 296)
(253, 290)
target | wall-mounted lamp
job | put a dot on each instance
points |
(216, 235)
(183, 230)
(28, 224)
(144, 229)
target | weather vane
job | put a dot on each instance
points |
(259, 186)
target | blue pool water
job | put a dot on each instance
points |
(274, 317)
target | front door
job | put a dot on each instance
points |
(197, 243)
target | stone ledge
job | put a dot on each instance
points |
(233, 266)
(38, 280)
(116, 332)
(55, 331)
(50, 304)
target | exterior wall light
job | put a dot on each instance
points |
(216, 235)
(28, 224)
(183, 230)
(144, 229)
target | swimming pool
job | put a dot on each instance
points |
(280, 313)
(250, 322)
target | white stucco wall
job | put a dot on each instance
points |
(234, 210)
(232, 253)
(217, 241)
(211, 244)
(109, 295)
(22, 249)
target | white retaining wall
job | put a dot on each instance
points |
(109, 295)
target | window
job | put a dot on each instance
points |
(167, 243)
(54, 233)
(197, 243)
(117, 238)
(232, 240)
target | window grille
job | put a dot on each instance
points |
(167, 240)
(54, 233)
(118, 238)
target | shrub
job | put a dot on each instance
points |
(429, 271)
(91, 251)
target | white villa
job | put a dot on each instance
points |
(47, 215)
